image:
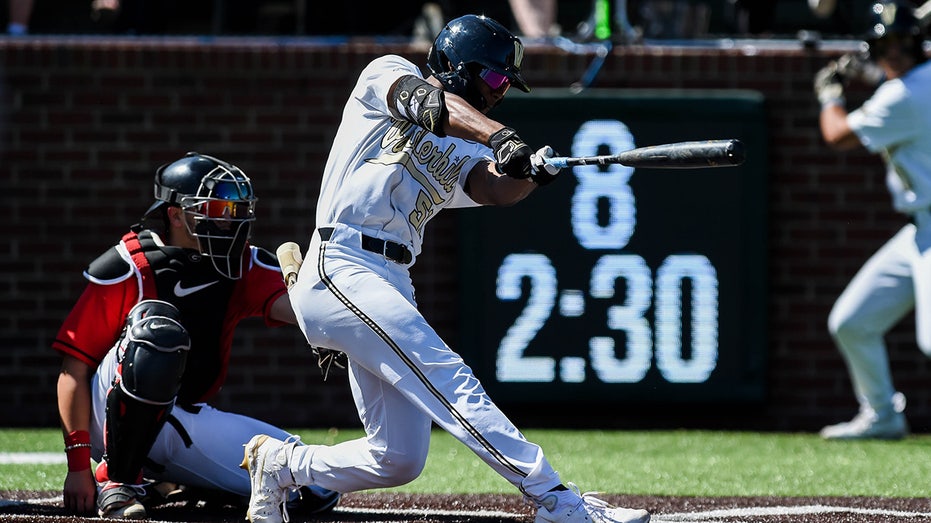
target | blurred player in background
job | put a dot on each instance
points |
(895, 122)
(407, 148)
(148, 343)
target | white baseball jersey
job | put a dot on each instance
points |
(386, 176)
(384, 179)
(896, 123)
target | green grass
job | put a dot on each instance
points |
(680, 463)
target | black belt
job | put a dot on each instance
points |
(396, 252)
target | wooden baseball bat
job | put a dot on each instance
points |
(680, 155)
(923, 14)
(290, 260)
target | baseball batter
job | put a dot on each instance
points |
(407, 148)
(896, 123)
(148, 344)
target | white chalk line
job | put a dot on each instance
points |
(32, 458)
(708, 516)
(801, 510)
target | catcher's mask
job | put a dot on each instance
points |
(476, 48)
(217, 198)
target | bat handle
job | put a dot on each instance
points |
(290, 260)
(560, 162)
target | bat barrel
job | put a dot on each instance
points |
(734, 152)
(681, 155)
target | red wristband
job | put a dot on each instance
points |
(78, 450)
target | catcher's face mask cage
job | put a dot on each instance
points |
(222, 212)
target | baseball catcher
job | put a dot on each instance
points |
(147, 346)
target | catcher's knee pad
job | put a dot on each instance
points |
(154, 350)
(152, 308)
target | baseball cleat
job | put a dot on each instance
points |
(569, 506)
(868, 425)
(117, 500)
(264, 458)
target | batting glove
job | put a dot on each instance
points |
(829, 86)
(857, 66)
(511, 153)
(541, 172)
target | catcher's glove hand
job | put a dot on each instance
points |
(326, 358)
(829, 85)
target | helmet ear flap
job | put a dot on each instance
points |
(459, 82)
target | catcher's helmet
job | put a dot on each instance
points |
(475, 42)
(894, 17)
(219, 198)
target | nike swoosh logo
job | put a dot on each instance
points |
(184, 291)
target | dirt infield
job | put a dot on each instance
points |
(45, 507)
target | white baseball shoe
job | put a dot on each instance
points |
(266, 460)
(868, 425)
(570, 506)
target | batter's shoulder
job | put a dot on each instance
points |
(393, 62)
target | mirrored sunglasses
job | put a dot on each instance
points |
(226, 209)
(493, 79)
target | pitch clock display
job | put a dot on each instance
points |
(618, 284)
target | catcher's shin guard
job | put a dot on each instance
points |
(155, 350)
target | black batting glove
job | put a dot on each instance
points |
(511, 153)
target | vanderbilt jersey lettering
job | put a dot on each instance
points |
(425, 169)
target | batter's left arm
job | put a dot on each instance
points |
(835, 130)
(486, 186)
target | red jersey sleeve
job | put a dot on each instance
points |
(260, 287)
(96, 321)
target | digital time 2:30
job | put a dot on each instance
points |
(663, 341)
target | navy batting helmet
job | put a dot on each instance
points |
(219, 198)
(890, 18)
(470, 44)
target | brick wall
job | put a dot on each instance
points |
(85, 121)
